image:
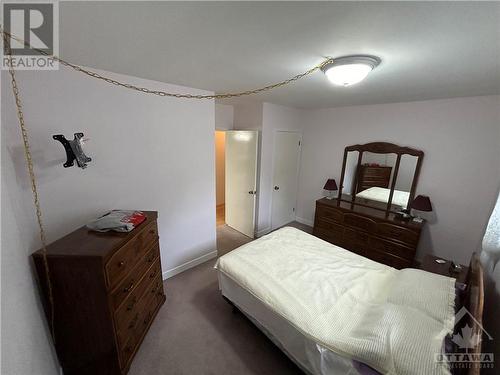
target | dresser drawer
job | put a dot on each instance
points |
(127, 256)
(328, 236)
(388, 259)
(360, 222)
(128, 309)
(329, 213)
(357, 237)
(393, 248)
(149, 307)
(395, 232)
(130, 282)
(334, 229)
(140, 315)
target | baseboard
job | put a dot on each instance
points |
(192, 263)
(304, 221)
(264, 231)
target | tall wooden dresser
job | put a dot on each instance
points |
(107, 290)
(368, 232)
(373, 176)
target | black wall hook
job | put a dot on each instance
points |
(73, 150)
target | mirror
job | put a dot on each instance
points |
(378, 173)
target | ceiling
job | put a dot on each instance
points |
(429, 50)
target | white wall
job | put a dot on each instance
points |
(148, 152)
(247, 113)
(224, 116)
(274, 118)
(460, 171)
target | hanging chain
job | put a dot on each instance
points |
(164, 93)
(24, 131)
(31, 173)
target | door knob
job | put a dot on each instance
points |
(276, 188)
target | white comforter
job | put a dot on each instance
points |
(394, 321)
(378, 194)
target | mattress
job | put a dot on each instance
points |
(392, 320)
(379, 194)
(310, 356)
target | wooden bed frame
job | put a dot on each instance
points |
(474, 302)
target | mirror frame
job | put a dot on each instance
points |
(382, 148)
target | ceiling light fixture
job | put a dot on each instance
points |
(348, 70)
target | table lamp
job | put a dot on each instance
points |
(421, 203)
(330, 185)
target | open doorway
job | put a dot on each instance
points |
(236, 190)
(220, 177)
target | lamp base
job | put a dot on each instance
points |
(330, 197)
(418, 220)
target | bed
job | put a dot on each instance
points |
(379, 194)
(334, 312)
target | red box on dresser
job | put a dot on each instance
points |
(107, 289)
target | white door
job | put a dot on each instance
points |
(285, 177)
(241, 180)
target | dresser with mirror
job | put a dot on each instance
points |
(369, 216)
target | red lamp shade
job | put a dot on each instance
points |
(330, 185)
(422, 203)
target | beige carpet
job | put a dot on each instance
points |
(196, 332)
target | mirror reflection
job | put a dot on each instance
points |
(371, 183)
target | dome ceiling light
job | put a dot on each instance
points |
(349, 70)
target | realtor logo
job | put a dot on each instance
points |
(467, 339)
(37, 25)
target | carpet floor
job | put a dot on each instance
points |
(196, 331)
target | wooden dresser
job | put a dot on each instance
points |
(368, 232)
(107, 290)
(370, 176)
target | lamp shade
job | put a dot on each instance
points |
(330, 185)
(422, 203)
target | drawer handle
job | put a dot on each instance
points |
(152, 274)
(132, 304)
(152, 231)
(151, 258)
(121, 263)
(133, 321)
(128, 288)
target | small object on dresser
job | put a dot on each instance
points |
(421, 203)
(330, 185)
(444, 267)
(403, 214)
(455, 268)
(118, 221)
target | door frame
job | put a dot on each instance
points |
(299, 156)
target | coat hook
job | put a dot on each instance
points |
(74, 150)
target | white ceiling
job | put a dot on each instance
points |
(428, 49)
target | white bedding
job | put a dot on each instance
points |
(394, 321)
(310, 356)
(379, 194)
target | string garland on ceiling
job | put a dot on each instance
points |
(146, 90)
(25, 136)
